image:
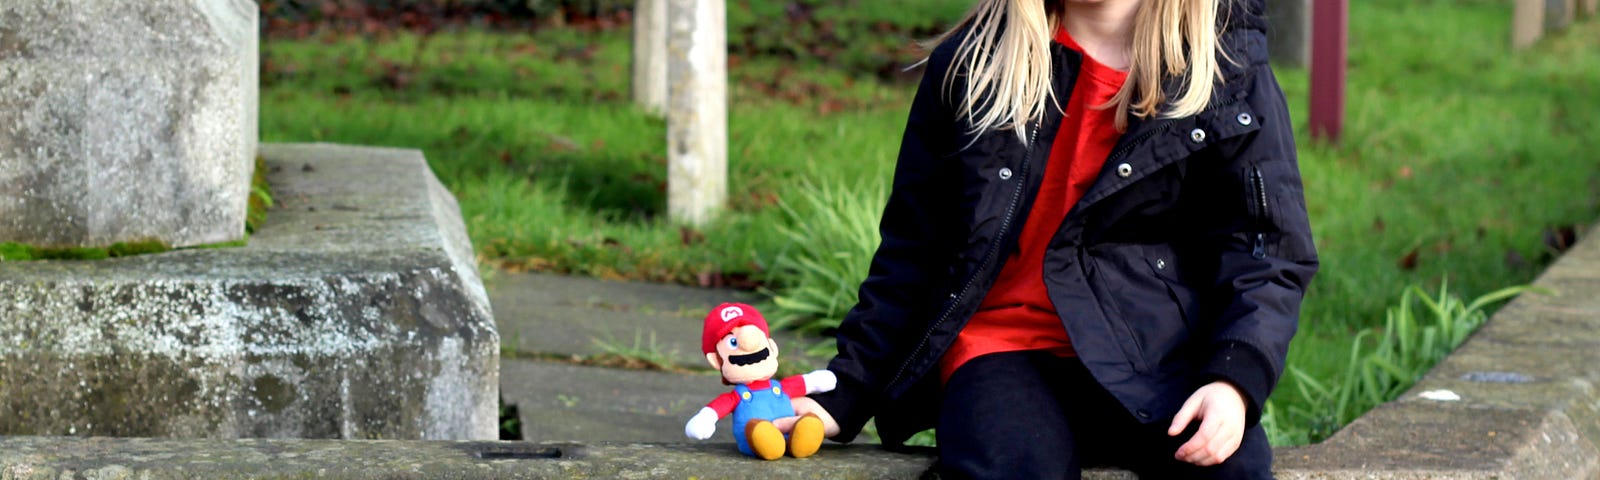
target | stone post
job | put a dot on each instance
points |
(697, 118)
(1527, 23)
(650, 55)
(1559, 14)
(126, 121)
(1289, 27)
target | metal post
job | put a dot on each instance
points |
(1330, 37)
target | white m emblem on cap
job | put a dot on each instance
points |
(731, 313)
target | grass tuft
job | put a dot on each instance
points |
(645, 354)
(260, 199)
(1417, 333)
(832, 232)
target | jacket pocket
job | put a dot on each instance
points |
(1163, 263)
(1147, 311)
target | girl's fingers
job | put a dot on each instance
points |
(1185, 415)
(1217, 448)
(1205, 441)
(805, 405)
(1190, 450)
(1217, 438)
(785, 424)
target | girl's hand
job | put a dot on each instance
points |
(802, 406)
(1220, 408)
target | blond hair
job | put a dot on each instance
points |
(1006, 61)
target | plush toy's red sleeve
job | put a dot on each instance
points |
(724, 404)
(794, 387)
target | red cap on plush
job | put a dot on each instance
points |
(724, 319)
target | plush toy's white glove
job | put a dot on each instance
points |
(702, 425)
(820, 381)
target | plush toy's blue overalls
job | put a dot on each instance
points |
(766, 404)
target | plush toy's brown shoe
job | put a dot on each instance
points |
(806, 438)
(764, 438)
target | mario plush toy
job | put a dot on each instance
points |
(736, 342)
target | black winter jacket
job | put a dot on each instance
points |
(1184, 263)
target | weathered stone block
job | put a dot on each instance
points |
(1527, 22)
(126, 121)
(356, 312)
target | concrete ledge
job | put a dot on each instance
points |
(356, 312)
(28, 458)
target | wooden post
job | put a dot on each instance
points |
(1587, 8)
(650, 55)
(1287, 34)
(1330, 35)
(1527, 23)
(697, 114)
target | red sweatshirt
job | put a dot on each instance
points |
(1017, 313)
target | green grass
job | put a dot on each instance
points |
(1455, 150)
(12, 251)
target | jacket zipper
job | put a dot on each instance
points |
(1128, 147)
(1258, 186)
(988, 257)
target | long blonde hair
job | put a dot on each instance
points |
(1006, 61)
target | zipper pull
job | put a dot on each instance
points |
(1260, 250)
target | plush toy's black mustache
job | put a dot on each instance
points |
(749, 358)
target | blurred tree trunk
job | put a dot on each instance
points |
(1289, 28)
(650, 55)
(697, 115)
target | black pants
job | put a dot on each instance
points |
(1035, 415)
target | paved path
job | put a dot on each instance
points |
(552, 316)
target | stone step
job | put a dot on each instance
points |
(563, 315)
(29, 458)
(564, 402)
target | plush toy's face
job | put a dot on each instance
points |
(745, 355)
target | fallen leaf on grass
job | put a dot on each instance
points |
(1409, 262)
(690, 236)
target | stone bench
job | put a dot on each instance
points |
(1528, 409)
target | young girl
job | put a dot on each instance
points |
(1094, 251)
